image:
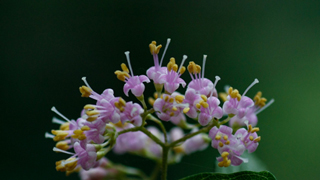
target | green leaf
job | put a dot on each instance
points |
(244, 175)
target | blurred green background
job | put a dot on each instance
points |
(47, 46)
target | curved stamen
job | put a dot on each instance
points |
(264, 107)
(165, 50)
(252, 84)
(128, 59)
(60, 150)
(214, 85)
(183, 59)
(203, 64)
(84, 79)
(57, 112)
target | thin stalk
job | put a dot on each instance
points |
(165, 150)
(154, 119)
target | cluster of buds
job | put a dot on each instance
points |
(114, 124)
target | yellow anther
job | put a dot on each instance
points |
(92, 113)
(249, 128)
(166, 98)
(155, 95)
(124, 68)
(186, 110)
(182, 70)
(175, 67)
(122, 75)
(121, 109)
(220, 144)
(204, 104)
(171, 100)
(191, 67)
(227, 164)
(239, 97)
(225, 137)
(154, 49)
(85, 128)
(174, 108)
(173, 60)
(223, 96)
(60, 167)
(198, 69)
(78, 131)
(64, 126)
(178, 149)
(62, 145)
(227, 142)
(59, 133)
(171, 114)
(251, 138)
(198, 106)
(218, 137)
(85, 91)
(151, 101)
(259, 101)
(234, 93)
(179, 98)
(89, 106)
(161, 96)
(82, 137)
(122, 102)
(225, 154)
(70, 164)
(204, 97)
(256, 129)
(93, 118)
(75, 136)
(258, 139)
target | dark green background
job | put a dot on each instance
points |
(47, 46)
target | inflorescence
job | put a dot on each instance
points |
(114, 124)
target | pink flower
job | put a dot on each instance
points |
(209, 109)
(87, 158)
(133, 83)
(192, 98)
(156, 71)
(131, 113)
(171, 79)
(199, 83)
(98, 173)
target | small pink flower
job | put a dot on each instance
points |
(133, 83)
(131, 113)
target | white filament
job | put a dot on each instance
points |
(165, 50)
(128, 59)
(58, 121)
(48, 135)
(252, 84)
(203, 64)
(57, 112)
(183, 60)
(264, 107)
(84, 79)
(60, 150)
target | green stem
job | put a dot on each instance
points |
(224, 121)
(154, 119)
(205, 129)
(165, 150)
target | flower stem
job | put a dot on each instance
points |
(165, 150)
(154, 119)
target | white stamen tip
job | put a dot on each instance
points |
(246, 122)
(48, 135)
(60, 150)
(217, 78)
(128, 59)
(204, 64)
(58, 121)
(57, 112)
(183, 60)
(165, 50)
(252, 84)
(84, 79)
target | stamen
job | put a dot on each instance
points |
(264, 107)
(225, 137)
(227, 142)
(57, 112)
(214, 85)
(185, 110)
(84, 79)
(128, 59)
(183, 59)
(48, 135)
(203, 64)
(251, 138)
(60, 150)
(58, 121)
(165, 50)
(252, 84)
(220, 144)
(256, 129)
(218, 137)
(258, 139)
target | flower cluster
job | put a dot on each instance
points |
(114, 124)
